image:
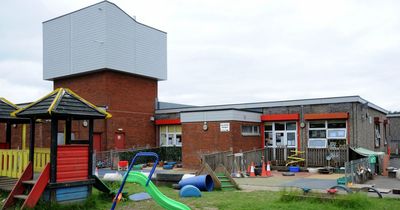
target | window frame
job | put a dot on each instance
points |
(254, 132)
(285, 132)
(327, 131)
(170, 132)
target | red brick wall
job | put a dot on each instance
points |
(244, 143)
(130, 99)
(195, 141)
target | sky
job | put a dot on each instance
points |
(223, 52)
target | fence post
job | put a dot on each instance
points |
(306, 157)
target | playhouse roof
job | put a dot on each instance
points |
(6, 108)
(62, 103)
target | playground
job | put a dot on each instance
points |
(249, 199)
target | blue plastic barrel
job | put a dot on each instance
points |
(203, 182)
(189, 191)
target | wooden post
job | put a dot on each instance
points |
(23, 137)
(90, 157)
(53, 150)
(32, 143)
(8, 134)
(53, 156)
(68, 125)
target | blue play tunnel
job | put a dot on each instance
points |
(203, 182)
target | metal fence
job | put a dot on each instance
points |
(110, 159)
(358, 171)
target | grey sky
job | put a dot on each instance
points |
(235, 51)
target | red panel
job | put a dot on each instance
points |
(262, 135)
(19, 187)
(326, 116)
(72, 163)
(119, 140)
(38, 188)
(280, 117)
(168, 121)
(348, 131)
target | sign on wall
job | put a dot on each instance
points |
(224, 127)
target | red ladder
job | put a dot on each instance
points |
(35, 190)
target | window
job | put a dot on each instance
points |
(170, 135)
(332, 133)
(377, 135)
(250, 130)
(317, 143)
(280, 134)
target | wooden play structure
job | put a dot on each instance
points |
(69, 174)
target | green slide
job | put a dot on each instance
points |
(159, 197)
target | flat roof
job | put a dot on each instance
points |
(394, 115)
(299, 102)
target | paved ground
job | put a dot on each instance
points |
(316, 182)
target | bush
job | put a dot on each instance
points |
(164, 154)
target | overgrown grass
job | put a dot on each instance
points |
(234, 200)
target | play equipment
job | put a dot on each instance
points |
(151, 189)
(69, 175)
(139, 196)
(294, 158)
(122, 165)
(189, 191)
(203, 182)
(348, 190)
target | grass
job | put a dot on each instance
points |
(232, 200)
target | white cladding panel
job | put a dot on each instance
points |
(87, 39)
(102, 36)
(56, 47)
(223, 115)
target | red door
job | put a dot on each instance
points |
(97, 142)
(119, 140)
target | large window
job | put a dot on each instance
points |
(279, 134)
(250, 130)
(332, 133)
(170, 135)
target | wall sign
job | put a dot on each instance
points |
(224, 127)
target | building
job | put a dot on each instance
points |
(298, 124)
(394, 132)
(112, 60)
(101, 49)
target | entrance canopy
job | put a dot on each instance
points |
(366, 152)
(62, 103)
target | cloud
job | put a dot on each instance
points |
(236, 51)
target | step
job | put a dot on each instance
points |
(228, 189)
(30, 182)
(227, 185)
(225, 180)
(22, 197)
